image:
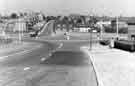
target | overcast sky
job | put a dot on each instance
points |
(55, 7)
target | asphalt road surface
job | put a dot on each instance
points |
(53, 64)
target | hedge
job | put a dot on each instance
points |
(125, 45)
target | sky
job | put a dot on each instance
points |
(65, 7)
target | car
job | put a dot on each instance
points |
(33, 34)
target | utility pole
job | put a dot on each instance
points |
(22, 26)
(90, 39)
(101, 29)
(18, 22)
(117, 26)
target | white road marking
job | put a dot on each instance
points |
(53, 51)
(50, 54)
(61, 44)
(26, 68)
(91, 59)
(43, 59)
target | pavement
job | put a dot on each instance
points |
(113, 67)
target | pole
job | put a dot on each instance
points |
(117, 32)
(19, 32)
(22, 26)
(90, 39)
(101, 30)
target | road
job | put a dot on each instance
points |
(67, 63)
(55, 63)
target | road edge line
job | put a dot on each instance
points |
(85, 49)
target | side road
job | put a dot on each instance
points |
(16, 48)
(114, 67)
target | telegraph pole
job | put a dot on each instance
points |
(20, 38)
(19, 33)
(90, 31)
(117, 26)
(101, 30)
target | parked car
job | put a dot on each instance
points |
(33, 34)
(104, 42)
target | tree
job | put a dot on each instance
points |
(14, 16)
(21, 14)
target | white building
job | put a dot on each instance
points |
(82, 29)
(105, 23)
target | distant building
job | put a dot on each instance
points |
(82, 28)
(105, 23)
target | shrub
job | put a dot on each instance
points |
(123, 30)
(109, 29)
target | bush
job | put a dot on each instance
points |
(109, 29)
(123, 30)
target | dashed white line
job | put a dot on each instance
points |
(43, 59)
(26, 68)
(50, 54)
(61, 44)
